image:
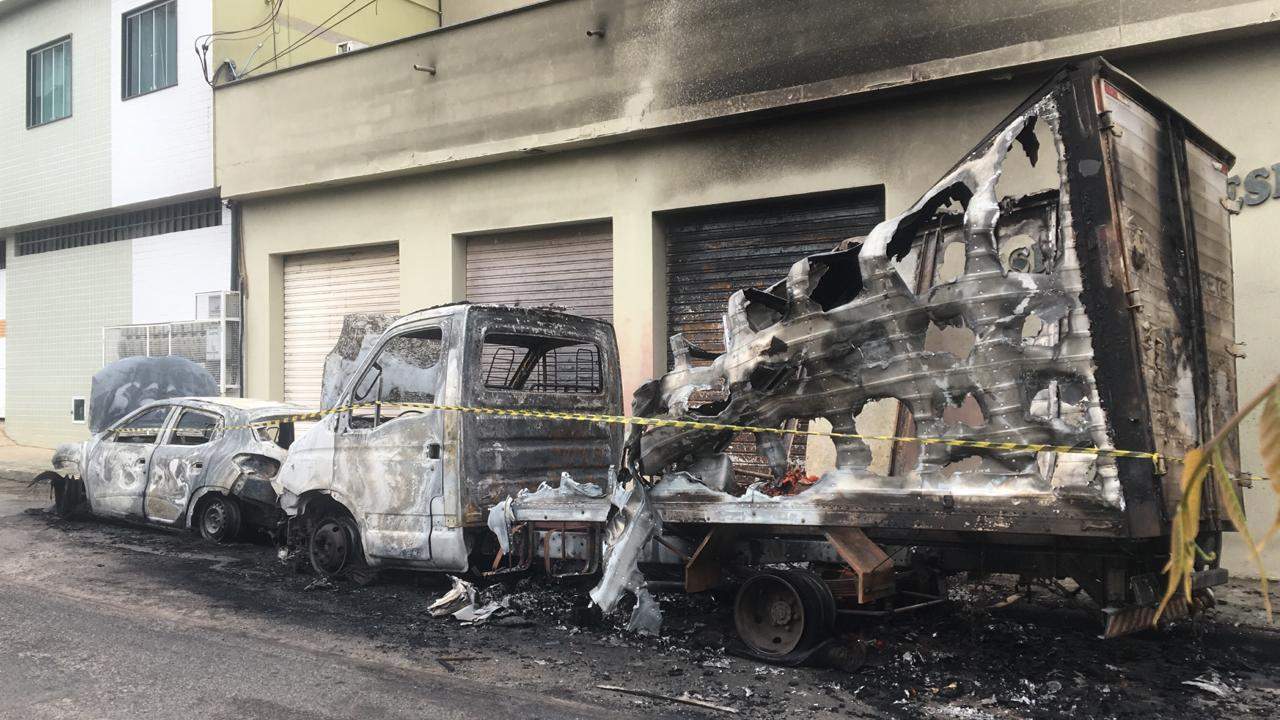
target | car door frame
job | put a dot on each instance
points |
(181, 467)
(398, 525)
(116, 488)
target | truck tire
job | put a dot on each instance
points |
(335, 550)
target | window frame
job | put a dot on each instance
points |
(372, 362)
(70, 74)
(113, 433)
(214, 435)
(124, 47)
(567, 342)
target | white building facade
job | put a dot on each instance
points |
(108, 209)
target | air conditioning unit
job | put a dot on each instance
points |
(347, 46)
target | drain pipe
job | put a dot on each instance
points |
(237, 285)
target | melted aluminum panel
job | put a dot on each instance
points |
(844, 329)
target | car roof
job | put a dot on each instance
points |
(253, 406)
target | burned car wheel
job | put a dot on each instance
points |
(68, 494)
(781, 612)
(218, 518)
(335, 551)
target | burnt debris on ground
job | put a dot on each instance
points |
(1039, 656)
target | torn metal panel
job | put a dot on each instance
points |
(1009, 334)
(632, 524)
(359, 333)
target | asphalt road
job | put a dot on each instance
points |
(106, 620)
(84, 634)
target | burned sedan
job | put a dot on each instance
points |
(202, 463)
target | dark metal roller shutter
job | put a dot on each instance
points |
(571, 267)
(711, 252)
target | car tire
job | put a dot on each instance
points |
(335, 550)
(218, 518)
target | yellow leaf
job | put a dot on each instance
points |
(1269, 444)
(1183, 528)
(1235, 511)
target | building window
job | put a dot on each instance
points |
(49, 82)
(150, 49)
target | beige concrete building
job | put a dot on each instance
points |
(638, 159)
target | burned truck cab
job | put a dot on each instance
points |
(406, 461)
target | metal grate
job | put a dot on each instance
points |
(212, 343)
(189, 215)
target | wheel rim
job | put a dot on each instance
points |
(330, 546)
(215, 518)
(770, 614)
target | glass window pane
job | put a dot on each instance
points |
(30, 77)
(33, 89)
(46, 85)
(131, 56)
(171, 45)
(60, 81)
(67, 81)
(146, 37)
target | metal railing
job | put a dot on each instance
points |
(212, 340)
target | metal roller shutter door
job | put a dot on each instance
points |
(711, 252)
(571, 267)
(319, 290)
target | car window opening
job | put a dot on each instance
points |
(194, 428)
(280, 435)
(142, 429)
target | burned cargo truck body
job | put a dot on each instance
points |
(1093, 315)
(1052, 354)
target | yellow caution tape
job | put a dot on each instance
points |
(1155, 458)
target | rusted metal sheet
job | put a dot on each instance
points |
(1205, 179)
(1176, 254)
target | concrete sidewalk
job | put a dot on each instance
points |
(20, 463)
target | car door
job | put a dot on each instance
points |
(116, 474)
(178, 463)
(387, 451)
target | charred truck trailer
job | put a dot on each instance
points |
(1092, 312)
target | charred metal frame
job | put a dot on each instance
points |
(1090, 209)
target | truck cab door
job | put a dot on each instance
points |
(115, 475)
(388, 449)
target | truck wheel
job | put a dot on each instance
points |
(781, 613)
(218, 518)
(335, 551)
